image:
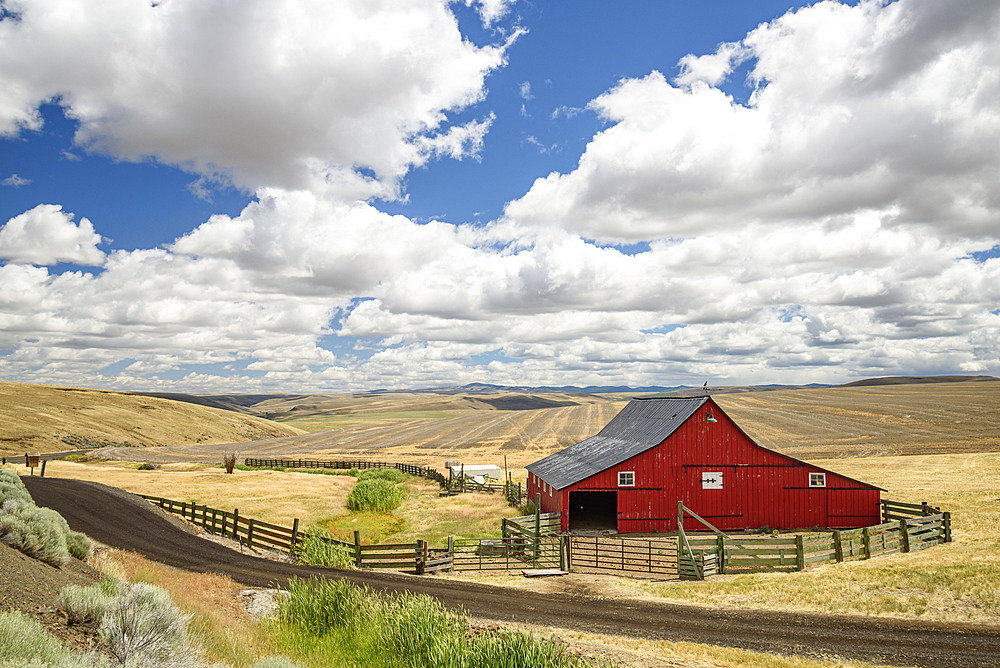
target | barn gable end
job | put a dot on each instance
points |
(656, 452)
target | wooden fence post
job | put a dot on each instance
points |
(420, 557)
(357, 548)
(295, 536)
(905, 535)
(721, 548)
(925, 508)
(838, 547)
(236, 524)
(946, 518)
(250, 534)
(866, 539)
(800, 553)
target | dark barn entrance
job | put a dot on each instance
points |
(590, 511)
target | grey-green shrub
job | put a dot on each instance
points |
(24, 643)
(376, 495)
(41, 533)
(35, 531)
(144, 627)
(12, 489)
(85, 604)
(320, 553)
(392, 475)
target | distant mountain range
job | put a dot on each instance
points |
(244, 403)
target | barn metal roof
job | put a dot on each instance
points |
(641, 425)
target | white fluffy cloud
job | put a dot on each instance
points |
(47, 235)
(293, 94)
(867, 107)
(830, 228)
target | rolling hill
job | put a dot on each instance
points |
(37, 418)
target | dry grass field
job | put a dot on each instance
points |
(33, 418)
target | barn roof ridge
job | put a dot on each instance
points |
(641, 425)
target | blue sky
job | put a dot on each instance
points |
(346, 197)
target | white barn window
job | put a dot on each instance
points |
(626, 478)
(817, 480)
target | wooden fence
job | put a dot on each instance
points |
(626, 555)
(345, 464)
(909, 527)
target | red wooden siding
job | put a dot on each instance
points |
(760, 487)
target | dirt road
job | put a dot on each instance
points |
(127, 522)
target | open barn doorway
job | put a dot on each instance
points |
(593, 511)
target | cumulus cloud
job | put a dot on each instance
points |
(47, 235)
(297, 94)
(831, 228)
(866, 107)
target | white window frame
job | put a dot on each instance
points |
(626, 475)
(817, 479)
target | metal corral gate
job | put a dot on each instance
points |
(514, 552)
(630, 555)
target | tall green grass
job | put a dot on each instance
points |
(320, 553)
(334, 623)
(375, 495)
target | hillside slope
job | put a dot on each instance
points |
(35, 418)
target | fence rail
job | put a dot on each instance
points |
(347, 464)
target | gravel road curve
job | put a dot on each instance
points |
(122, 520)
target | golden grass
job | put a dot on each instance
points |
(34, 417)
(272, 496)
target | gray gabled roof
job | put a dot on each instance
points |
(641, 425)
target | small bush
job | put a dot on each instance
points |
(375, 495)
(25, 643)
(12, 489)
(35, 531)
(229, 460)
(147, 466)
(324, 554)
(392, 475)
(85, 605)
(144, 627)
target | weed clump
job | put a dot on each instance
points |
(323, 554)
(147, 466)
(375, 495)
(229, 460)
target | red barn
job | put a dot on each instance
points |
(656, 452)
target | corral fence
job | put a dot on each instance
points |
(907, 528)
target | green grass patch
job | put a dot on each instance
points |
(394, 476)
(323, 554)
(375, 495)
(336, 623)
(374, 527)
